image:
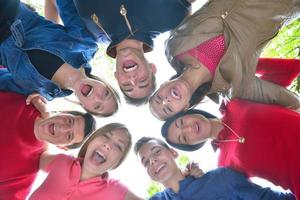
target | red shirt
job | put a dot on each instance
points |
(63, 182)
(272, 142)
(20, 151)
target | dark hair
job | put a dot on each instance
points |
(145, 140)
(89, 126)
(114, 92)
(140, 101)
(169, 121)
(101, 131)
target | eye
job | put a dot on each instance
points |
(106, 93)
(118, 146)
(181, 122)
(146, 163)
(157, 152)
(70, 137)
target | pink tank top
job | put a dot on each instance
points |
(209, 53)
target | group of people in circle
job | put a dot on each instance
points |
(215, 52)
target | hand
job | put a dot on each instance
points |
(193, 169)
(39, 102)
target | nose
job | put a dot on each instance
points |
(186, 129)
(132, 79)
(152, 160)
(166, 100)
(107, 146)
(64, 128)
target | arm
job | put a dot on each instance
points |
(7, 82)
(131, 196)
(278, 71)
(51, 11)
(266, 92)
(245, 190)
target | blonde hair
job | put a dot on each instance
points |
(105, 129)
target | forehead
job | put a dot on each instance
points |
(147, 148)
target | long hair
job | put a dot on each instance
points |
(105, 129)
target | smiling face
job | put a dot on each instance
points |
(62, 129)
(158, 161)
(133, 73)
(105, 151)
(171, 98)
(96, 97)
(189, 129)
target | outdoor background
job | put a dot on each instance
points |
(139, 119)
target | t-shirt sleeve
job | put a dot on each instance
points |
(244, 189)
(116, 190)
(59, 160)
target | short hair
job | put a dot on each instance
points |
(89, 126)
(140, 101)
(104, 129)
(144, 140)
(113, 91)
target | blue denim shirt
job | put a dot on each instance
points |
(221, 183)
(72, 43)
(142, 20)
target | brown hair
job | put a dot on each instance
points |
(104, 129)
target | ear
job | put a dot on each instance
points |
(174, 153)
(153, 68)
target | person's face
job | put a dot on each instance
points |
(62, 129)
(105, 151)
(134, 73)
(158, 161)
(189, 129)
(171, 98)
(96, 97)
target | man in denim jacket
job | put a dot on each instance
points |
(131, 26)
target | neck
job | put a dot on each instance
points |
(173, 182)
(130, 43)
(66, 76)
(217, 127)
(195, 74)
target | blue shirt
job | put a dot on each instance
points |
(141, 20)
(71, 42)
(221, 183)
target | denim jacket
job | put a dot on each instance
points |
(72, 43)
(141, 20)
(221, 184)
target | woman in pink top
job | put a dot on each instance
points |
(86, 177)
(216, 50)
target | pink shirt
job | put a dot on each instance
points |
(209, 53)
(63, 182)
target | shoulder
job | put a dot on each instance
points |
(159, 196)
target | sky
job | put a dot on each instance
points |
(140, 121)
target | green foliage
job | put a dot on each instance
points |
(183, 160)
(154, 187)
(286, 45)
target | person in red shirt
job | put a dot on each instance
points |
(23, 137)
(256, 139)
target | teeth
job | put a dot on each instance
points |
(130, 68)
(100, 154)
(159, 168)
(91, 91)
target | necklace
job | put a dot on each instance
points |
(239, 139)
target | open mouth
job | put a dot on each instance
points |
(160, 168)
(175, 93)
(86, 90)
(97, 157)
(52, 129)
(129, 66)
